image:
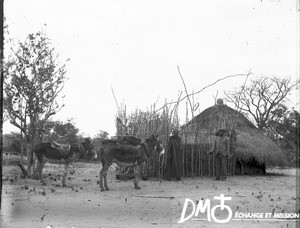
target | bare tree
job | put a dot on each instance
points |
(261, 96)
(33, 80)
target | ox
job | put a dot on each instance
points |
(127, 155)
(56, 153)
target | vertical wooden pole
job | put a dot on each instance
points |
(192, 162)
(1, 95)
(213, 165)
(201, 162)
(209, 167)
(233, 165)
(196, 161)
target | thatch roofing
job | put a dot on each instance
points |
(250, 142)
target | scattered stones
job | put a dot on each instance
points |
(25, 187)
(6, 192)
(5, 179)
(31, 190)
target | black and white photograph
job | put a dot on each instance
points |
(155, 114)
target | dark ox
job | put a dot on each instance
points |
(127, 155)
(59, 154)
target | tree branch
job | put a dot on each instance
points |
(199, 91)
(186, 92)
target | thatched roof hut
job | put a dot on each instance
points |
(250, 143)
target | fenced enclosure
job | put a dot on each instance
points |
(195, 144)
(251, 150)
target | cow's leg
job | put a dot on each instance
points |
(36, 172)
(102, 172)
(136, 170)
(105, 181)
(40, 166)
(65, 174)
(103, 176)
(101, 179)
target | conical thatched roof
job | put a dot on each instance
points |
(250, 142)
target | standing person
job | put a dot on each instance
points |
(174, 159)
(220, 149)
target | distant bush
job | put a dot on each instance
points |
(9, 159)
(11, 143)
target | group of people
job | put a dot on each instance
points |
(174, 159)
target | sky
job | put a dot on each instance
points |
(136, 47)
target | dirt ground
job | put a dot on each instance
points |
(159, 203)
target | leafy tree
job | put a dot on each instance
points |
(284, 126)
(261, 97)
(102, 134)
(33, 80)
(99, 137)
(12, 142)
(62, 132)
(65, 133)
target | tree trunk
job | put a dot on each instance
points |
(30, 159)
(24, 172)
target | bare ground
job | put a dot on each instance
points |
(26, 203)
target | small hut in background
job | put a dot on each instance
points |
(252, 150)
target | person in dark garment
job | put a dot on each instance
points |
(220, 148)
(174, 159)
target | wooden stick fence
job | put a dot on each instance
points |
(195, 141)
